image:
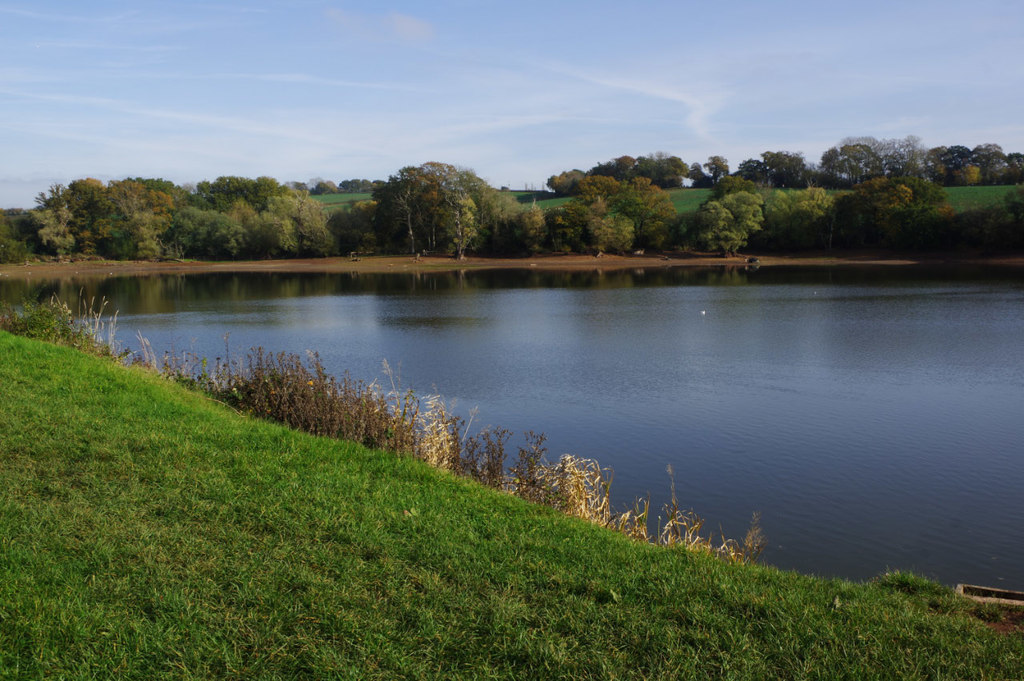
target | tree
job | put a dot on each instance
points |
(611, 232)
(12, 249)
(622, 168)
(990, 161)
(401, 201)
(897, 212)
(319, 185)
(725, 224)
(596, 187)
(647, 207)
(902, 157)
(732, 184)
(53, 228)
(224, 192)
(854, 161)
(954, 160)
(435, 203)
(353, 229)
(312, 236)
(198, 233)
(141, 216)
(717, 167)
(81, 211)
(497, 215)
(532, 228)
(663, 170)
(698, 180)
(797, 219)
(564, 184)
(785, 169)
(752, 170)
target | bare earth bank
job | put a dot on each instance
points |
(102, 268)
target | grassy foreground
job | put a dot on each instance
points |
(148, 532)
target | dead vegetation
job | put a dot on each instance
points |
(302, 395)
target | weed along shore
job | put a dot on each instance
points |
(148, 531)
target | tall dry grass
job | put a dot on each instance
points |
(301, 394)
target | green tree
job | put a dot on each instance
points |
(717, 167)
(198, 233)
(141, 216)
(663, 170)
(785, 168)
(354, 229)
(698, 179)
(752, 170)
(611, 232)
(12, 249)
(223, 193)
(732, 184)
(797, 219)
(622, 168)
(726, 224)
(313, 239)
(532, 229)
(648, 208)
(402, 203)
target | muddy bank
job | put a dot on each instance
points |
(378, 264)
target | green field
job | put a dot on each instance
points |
(332, 201)
(148, 532)
(688, 200)
(968, 198)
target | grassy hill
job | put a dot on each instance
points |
(688, 200)
(149, 532)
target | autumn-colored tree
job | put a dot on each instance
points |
(897, 212)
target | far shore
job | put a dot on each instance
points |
(81, 267)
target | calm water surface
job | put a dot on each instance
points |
(875, 417)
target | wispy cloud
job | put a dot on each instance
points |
(391, 26)
(701, 102)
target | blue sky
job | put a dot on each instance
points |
(518, 91)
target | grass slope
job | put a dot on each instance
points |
(147, 532)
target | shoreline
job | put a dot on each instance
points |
(574, 262)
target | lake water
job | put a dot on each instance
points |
(874, 416)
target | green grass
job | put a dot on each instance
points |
(149, 532)
(333, 202)
(969, 198)
(688, 200)
(684, 200)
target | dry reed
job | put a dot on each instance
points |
(302, 395)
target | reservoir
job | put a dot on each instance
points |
(873, 416)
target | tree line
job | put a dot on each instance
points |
(882, 194)
(853, 161)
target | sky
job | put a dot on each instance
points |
(517, 91)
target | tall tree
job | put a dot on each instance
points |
(647, 207)
(785, 168)
(726, 224)
(717, 167)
